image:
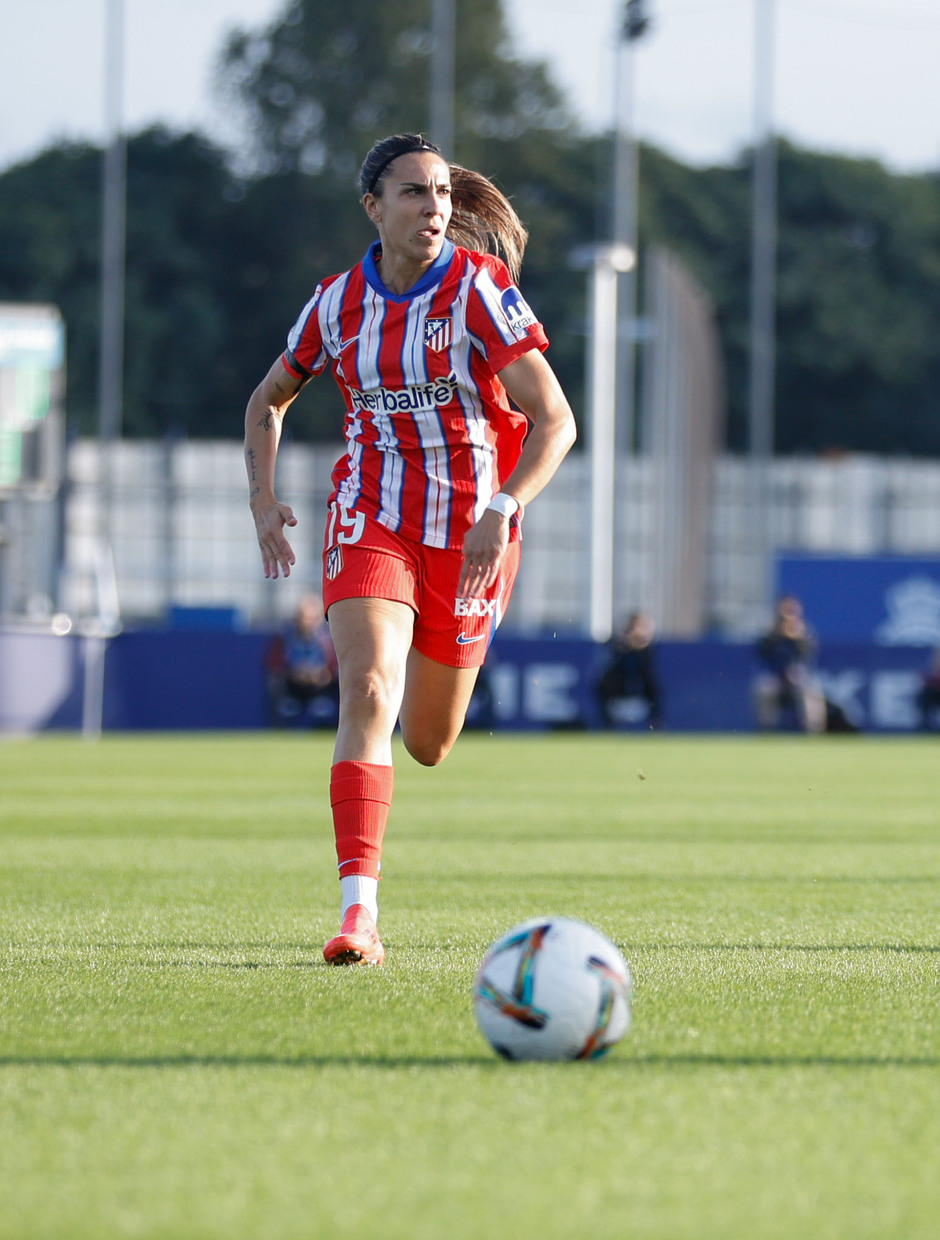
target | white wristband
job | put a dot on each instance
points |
(505, 505)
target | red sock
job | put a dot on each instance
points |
(360, 794)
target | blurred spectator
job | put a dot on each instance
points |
(929, 697)
(302, 674)
(786, 682)
(628, 689)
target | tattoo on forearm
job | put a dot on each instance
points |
(252, 464)
(266, 422)
(253, 492)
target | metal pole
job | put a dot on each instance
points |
(94, 647)
(111, 348)
(634, 23)
(763, 237)
(763, 281)
(604, 264)
(105, 625)
(443, 53)
(113, 228)
(602, 386)
(626, 166)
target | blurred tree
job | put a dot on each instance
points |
(858, 307)
(223, 255)
(219, 263)
(858, 293)
(178, 218)
(49, 246)
(323, 82)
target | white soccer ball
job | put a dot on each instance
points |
(553, 988)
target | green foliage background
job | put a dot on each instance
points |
(224, 248)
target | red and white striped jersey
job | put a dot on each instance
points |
(430, 432)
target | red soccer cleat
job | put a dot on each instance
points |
(358, 941)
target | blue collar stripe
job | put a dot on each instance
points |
(432, 277)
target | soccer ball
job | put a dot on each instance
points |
(552, 988)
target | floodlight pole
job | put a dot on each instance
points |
(113, 231)
(110, 354)
(443, 54)
(763, 284)
(604, 264)
(624, 224)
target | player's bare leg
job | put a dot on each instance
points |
(371, 638)
(434, 707)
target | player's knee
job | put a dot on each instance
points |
(428, 748)
(368, 696)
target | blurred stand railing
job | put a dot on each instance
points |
(182, 534)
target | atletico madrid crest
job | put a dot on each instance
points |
(437, 334)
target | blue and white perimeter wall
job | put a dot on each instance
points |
(205, 679)
(877, 619)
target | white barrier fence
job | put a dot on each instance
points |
(182, 535)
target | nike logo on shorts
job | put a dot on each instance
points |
(464, 640)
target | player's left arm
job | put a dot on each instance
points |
(533, 386)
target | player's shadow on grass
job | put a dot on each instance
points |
(900, 948)
(314, 962)
(622, 1062)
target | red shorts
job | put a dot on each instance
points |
(363, 559)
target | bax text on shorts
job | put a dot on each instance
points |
(475, 606)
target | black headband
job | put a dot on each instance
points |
(407, 150)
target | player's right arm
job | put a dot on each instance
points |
(264, 420)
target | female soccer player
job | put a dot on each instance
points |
(426, 339)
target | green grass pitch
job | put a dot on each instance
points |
(176, 1060)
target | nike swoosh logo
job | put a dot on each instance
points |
(344, 344)
(464, 640)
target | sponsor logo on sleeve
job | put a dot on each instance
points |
(517, 310)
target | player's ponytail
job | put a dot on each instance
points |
(484, 218)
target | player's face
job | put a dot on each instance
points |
(415, 207)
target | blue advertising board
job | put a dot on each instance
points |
(891, 600)
(706, 686)
(199, 679)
